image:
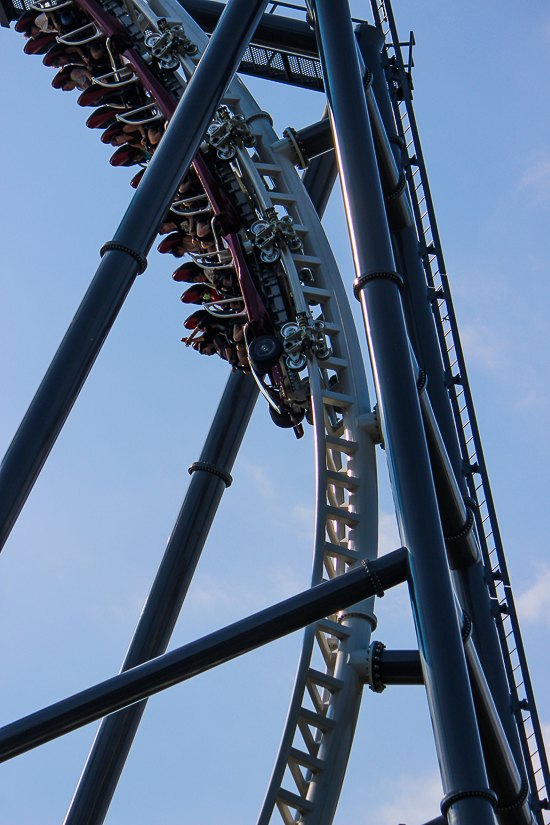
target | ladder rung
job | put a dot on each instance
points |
(316, 720)
(336, 399)
(267, 168)
(334, 363)
(315, 293)
(342, 480)
(324, 680)
(343, 516)
(306, 760)
(306, 260)
(295, 801)
(341, 553)
(341, 445)
(282, 198)
(333, 628)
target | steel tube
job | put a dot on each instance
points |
(401, 667)
(221, 646)
(161, 610)
(393, 181)
(440, 643)
(462, 544)
(456, 520)
(446, 461)
(118, 269)
(316, 139)
(504, 778)
(418, 313)
(273, 31)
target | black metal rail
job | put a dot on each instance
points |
(138, 683)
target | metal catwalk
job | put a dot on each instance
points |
(244, 206)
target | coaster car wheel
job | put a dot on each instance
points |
(284, 419)
(263, 353)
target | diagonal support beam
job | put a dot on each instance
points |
(158, 618)
(124, 257)
(369, 579)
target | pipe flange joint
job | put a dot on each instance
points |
(399, 188)
(453, 797)
(120, 247)
(367, 79)
(292, 135)
(362, 281)
(397, 141)
(470, 503)
(373, 576)
(343, 615)
(374, 675)
(211, 468)
(422, 380)
(466, 629)
(260, 116)
(466, 530)
(520, 799)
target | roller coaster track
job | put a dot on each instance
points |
(327, 693)
(318, 734)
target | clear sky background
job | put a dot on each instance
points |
(80, 561)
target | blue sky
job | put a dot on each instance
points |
(80, 561)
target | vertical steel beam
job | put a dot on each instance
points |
(467, 796)
(468, 577)
(418, 313)
(123, 258)
(211, 474)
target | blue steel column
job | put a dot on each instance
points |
(418, 313)
(123, 260)
(468, 798)
(468, 578)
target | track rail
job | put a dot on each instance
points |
(310, 767)
(323, 710)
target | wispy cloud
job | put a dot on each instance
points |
(302, 522)
(483, 347)
(532, 399)
(388, 535)
(415, 800)
(220, 598)
(534, 604)
(536, 177)
(261, 478)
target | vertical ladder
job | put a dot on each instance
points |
(475, 470)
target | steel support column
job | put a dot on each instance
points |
(143, 681)
(161, 610)
(468, 798)
(418, 313)
(443, 445)
(124, 257)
